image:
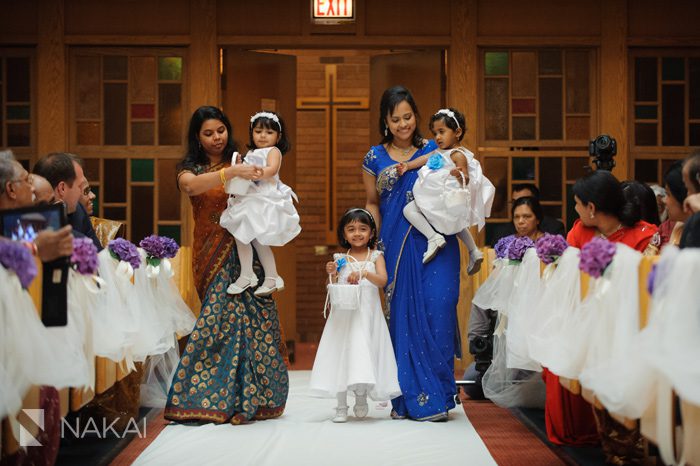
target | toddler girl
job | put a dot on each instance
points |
(443, 169)
(355, 352)
(261, 213)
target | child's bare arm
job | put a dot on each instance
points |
(274, 161)
(379, 277)
(413, 164)
(462, 165)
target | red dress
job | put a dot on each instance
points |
(569, 418)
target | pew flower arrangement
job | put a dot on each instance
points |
(517, 249)
(158, 250)
(84, 257)
(126, 253)
(651, 279)
(502, 246)
(550, 247)
(16, 257)
(595, 256)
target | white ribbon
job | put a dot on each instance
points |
(153, 271)
(124, 269)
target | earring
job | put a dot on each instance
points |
(592, 215)
(199, 144)
(386, 131)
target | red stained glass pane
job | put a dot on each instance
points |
(523, 106)
(145, 111)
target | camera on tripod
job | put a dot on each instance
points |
(603, 149)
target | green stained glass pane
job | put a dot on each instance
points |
(171, 231)
(496, 63)
(523, 168)
(170, 68)
(18, 112)
(142, 170)
(673, 69)
(645, 112)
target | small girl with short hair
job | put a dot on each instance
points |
(444, 169)
(355, 353)
(264, 214)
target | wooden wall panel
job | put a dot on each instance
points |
(128, 17)
(268, 18)
(680, 18)
(538, 18)
(18, 17)
(408, 18)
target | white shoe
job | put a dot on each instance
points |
(435, 243)
(361, 408)
(242, 284)
(475, 259)
(266, 290)
(341, 414)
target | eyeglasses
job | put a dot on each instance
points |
(87, 191)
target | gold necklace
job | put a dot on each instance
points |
(405, 152)
(619, 227)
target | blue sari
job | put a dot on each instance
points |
(421, 299)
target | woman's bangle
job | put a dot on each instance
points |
(222, 175)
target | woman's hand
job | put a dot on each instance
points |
(331, 269)
(248, 172)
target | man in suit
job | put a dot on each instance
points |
(65, 174)
(548, 224)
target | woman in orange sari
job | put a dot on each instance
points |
(603, 212)
(233, 367)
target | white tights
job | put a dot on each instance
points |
(267, 259)
(416, 218)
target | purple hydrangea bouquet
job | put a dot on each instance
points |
(596, 255)
(517, 248)
(125, 251)
(502, 246)
(16, 257)
(550, 247)
(84, 257)
(158, 250)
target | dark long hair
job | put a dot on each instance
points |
(268, 123)
(390, 99)
(357, 215)
(195, 154)
(605, 192)
(641, 194)
(674, 181)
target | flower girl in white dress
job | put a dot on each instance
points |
(441, 170)
(261, 214)
(355, 353)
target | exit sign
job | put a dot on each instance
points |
(333, 10)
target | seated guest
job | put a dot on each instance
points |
(643, 196)
(547, 224)
(676, 192)
(527, 216)
(43, 191)
(65, 173)
(691, 179)
(16, 190)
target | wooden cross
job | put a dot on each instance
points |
(331, 103)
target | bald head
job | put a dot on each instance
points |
(42, 190)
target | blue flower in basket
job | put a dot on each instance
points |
(436, 162)
(340, 263)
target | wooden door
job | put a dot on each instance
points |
(255, 81)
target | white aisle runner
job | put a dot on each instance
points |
(305, 435)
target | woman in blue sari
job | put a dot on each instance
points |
(421, 299)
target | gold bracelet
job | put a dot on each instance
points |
(222, 175)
